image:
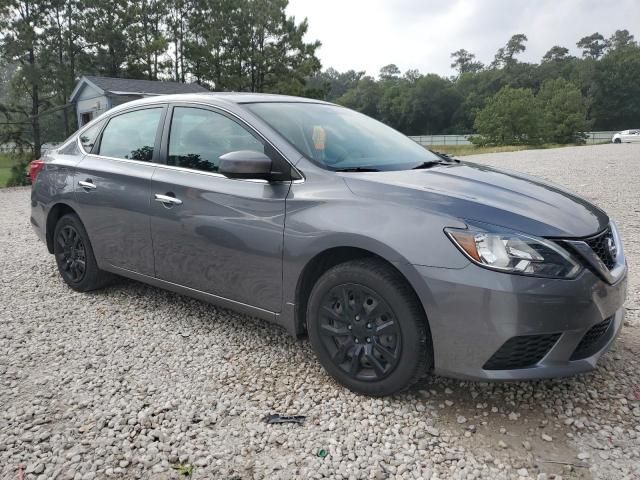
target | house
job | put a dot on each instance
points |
(95, 95)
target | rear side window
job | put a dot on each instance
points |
(131, 135)
(199, 137)
(89, 136)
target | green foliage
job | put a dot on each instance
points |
(511, 117)
(464, 62)
(514, 116)
(184, 470)
(598, 91)
(593, 46)
(564, 112)
(13, 168)
(252, 45)
(45, 45)
(616, 89)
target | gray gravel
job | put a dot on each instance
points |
(132, 381)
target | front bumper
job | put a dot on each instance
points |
(473, 312)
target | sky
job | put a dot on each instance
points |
(368, 34)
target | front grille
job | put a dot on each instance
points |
(591, 342)
(600, 245)
(521, 352)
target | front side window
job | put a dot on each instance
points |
(89, 136)
(131, 135)
(199, 137)
(339, 138)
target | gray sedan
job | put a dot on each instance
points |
(394, 260)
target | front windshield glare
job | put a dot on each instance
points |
(339, 138)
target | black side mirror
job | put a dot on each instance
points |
(245, 164)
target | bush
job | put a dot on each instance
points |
(564, 111)
(511, 117)
(558, 114)
(19, 163)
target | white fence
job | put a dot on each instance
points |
(426, 140)
(12, 147)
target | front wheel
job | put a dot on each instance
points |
(368, 328)
(74, 255)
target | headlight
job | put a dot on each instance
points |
(513, 252)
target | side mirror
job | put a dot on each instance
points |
(245, 164)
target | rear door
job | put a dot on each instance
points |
(113, 188)
(218, 235)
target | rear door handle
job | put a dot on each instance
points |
(167, 199)
(87, 185)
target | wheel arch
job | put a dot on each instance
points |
(330, 257)
(55, 213)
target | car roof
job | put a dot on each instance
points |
(222, 98)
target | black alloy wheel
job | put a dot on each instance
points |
(72, 255)
(368, 327)
(360, 332)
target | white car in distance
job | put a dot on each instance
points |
(627, 136)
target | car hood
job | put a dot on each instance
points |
(470, 191)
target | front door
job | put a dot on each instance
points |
(113, 185)
(211, 233)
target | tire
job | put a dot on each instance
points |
(617, 140)
(380, 343)
(74, 255)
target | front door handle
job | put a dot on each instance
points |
(87, 185)
(167, 200)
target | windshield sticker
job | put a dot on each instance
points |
(319, 137)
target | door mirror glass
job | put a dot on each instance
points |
(245, 164)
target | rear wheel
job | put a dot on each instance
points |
(368, 328)
(76, 262)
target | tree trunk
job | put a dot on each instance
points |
(35, 108)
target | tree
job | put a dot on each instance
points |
(511, 117)
(364, 97)
(464, 62)
(556, 54)
(148, 35)
(23, 43)
(332, 84)
(564, 112)
(593, 46)
(67, 45)
(108, 34)
(616, 90)
(430, 105)
(389, 72)
(505, 56)
(621, 39)
(179, 12)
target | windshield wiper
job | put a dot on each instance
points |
(446, 156)
(356, 169)
(429, 164)
(445, 159)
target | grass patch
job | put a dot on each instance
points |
(7, 161)
(462, 150)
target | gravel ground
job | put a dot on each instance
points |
(132, 381)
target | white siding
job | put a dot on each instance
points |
(91, 100)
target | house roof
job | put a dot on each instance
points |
(128, 86)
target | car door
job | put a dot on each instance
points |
(211, 233)
(628, 136)
(113, 186)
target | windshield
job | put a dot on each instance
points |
(341, 139)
